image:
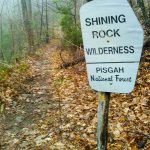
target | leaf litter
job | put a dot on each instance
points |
(55, 109)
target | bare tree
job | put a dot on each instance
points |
(1, 30)
(47, 22)
(27, 19)
(41, 23)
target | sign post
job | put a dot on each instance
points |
(113, 40)
(102, 114)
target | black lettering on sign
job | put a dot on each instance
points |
(95, 34)
(110, 50)
(94, 21)
(91, 51)
(122, 79)
(88, 21)
(100, 78)
(105, 20)
(108, 33)
(116, 33)
(131, 49)
(109, 69)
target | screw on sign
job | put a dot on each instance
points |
(113, 41)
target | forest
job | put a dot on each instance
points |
(46, 102)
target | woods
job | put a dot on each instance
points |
(23, 27)
(45, 98)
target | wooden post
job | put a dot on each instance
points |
(102, 127)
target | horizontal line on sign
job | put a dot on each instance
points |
(128, 62)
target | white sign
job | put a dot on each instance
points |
(113, 40)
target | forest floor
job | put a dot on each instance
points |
(54, 109)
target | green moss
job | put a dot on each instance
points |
(23, 67)
(4, 71)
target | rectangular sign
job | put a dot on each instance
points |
(113, 40)
(113, 76)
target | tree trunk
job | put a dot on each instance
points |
(13, 39)
(1, 39)
(148, 1)
(75, 12)
(47, 25)
(27, 19)
(41, 24)
(1, 31)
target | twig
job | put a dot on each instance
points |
(139, 133)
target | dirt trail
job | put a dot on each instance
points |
(30, 123)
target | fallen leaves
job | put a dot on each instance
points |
(127, 111)
(56, 108)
